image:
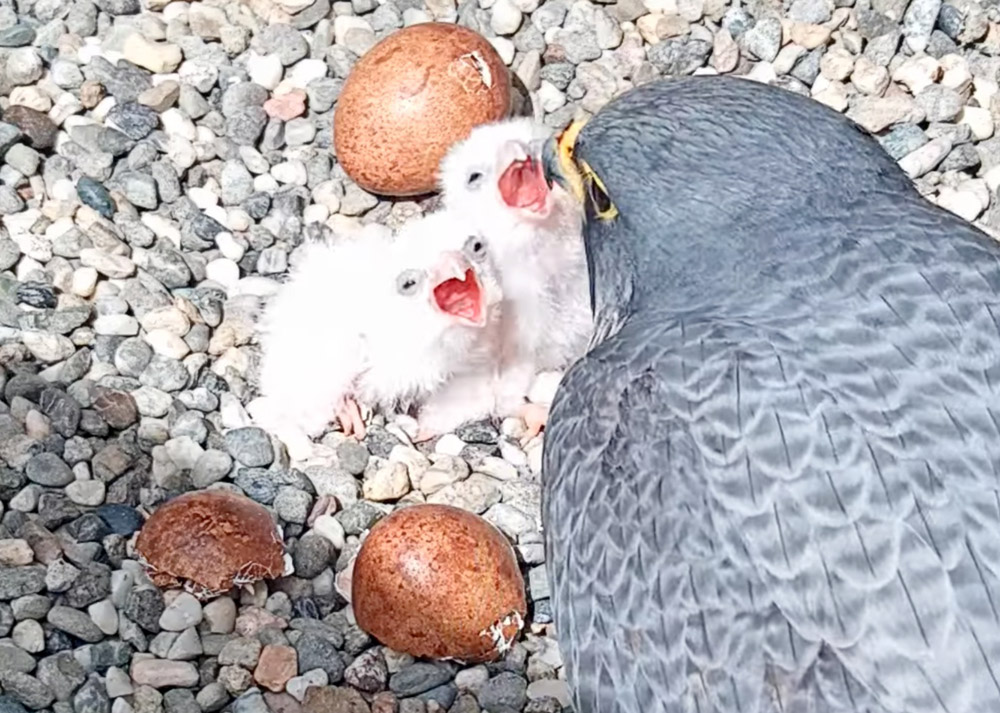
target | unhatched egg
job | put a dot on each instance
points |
(210, 541)
(440, 582)
(410, 98)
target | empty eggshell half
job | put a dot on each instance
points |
(209, 542)
(439, 582)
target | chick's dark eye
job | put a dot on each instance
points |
(408, 282)
(475, 246)
(474, 178)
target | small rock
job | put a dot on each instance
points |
(183, 612)
(164, 674)
(276, 666)
(159, 58)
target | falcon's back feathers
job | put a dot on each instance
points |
(790, 504)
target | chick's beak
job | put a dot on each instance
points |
(455, 290)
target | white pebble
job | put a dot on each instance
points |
(176, 123)
(329, 527)
(168, 318)
(449, 445)
(505, 48)
(505, 17)
(183, 612)
(963, 203)
(203, 197)
(224, 271)
(415, 16)
(165, 343)
(306, 71)
(86, 492)
(229, 247)
(105, 616)
(162, 227)
(290, 172)
(116, 325)
(265, 70)
(315, 213)
(265, 183)
(84, 281)
(48, 348)
(980, 121)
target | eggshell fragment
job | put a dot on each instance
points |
(210, 541)
(440, 582)
(410, 98)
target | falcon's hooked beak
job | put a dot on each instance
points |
(561, 165)
(558, 162)
(456, 292)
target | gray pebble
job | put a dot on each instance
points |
(679, 56)
(315, 652)
(292, 504)
(504, 693)
(49, 470)
(419, 677)
(251, 446)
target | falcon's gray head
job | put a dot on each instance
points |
(704, 188)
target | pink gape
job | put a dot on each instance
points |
(456, 294)
(523, 187)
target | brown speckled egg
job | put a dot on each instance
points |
(210, 541)
(440, 582)
(410, 98)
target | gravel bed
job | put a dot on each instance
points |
(156, 180)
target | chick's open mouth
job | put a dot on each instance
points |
(461, 298)
(523, 185)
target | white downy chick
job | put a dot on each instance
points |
(378, 321)
(495, 179)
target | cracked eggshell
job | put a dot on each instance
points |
(410, 98)
(439, 582)
(210, 541)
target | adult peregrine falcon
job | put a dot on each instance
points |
(773, 484)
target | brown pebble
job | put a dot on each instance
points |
(385, 702)
(333, 699)
(91, 94)
(276, 665)
(35, 125)
(117, 408)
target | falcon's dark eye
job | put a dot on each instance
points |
(474, 179)
(475, 247)
(408, 282)
(599, 199)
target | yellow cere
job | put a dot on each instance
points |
(580, 177)
(567, 165)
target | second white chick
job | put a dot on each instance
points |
(382, 322)
(495, 179)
